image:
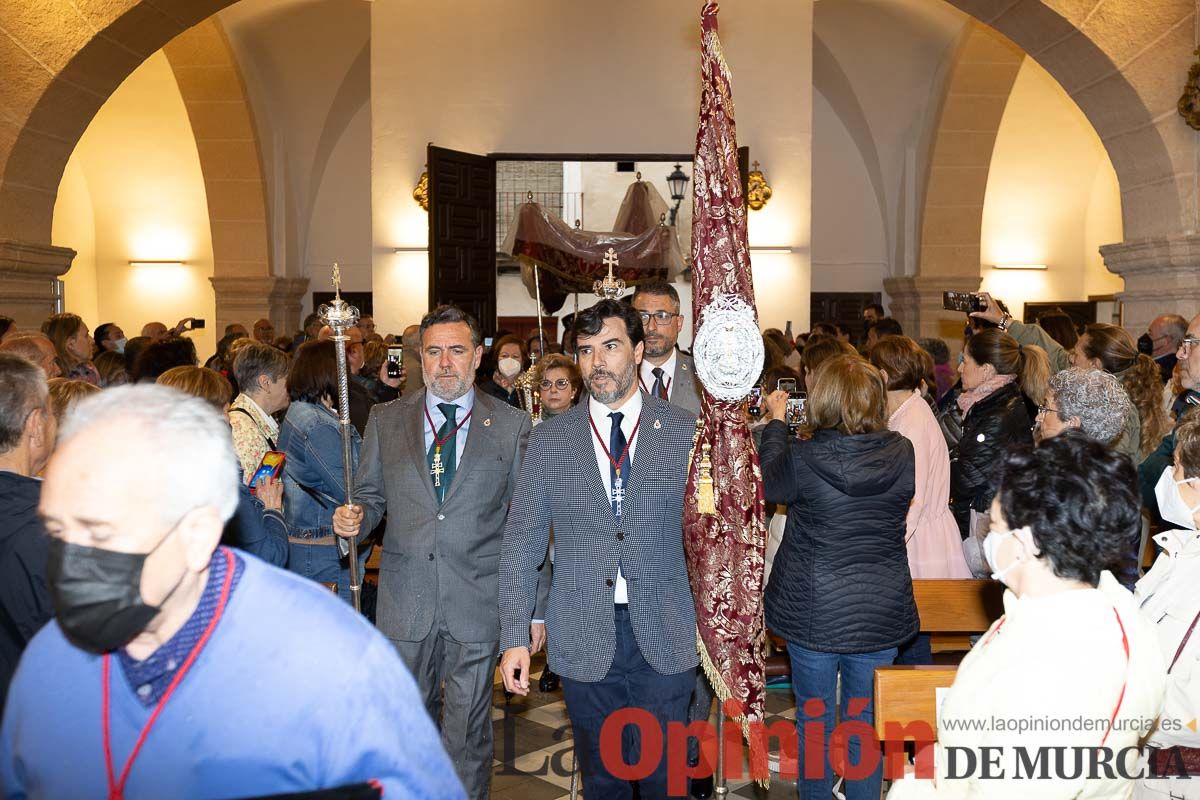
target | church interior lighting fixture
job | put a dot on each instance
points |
(677, 181)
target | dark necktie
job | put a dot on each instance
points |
(659, 390)
(448, 437)
(616, 448)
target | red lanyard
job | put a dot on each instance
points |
(439, 442)
(116, 789)
(1121, 697)
(617, 462)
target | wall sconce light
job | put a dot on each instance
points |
(1019, 266)
(144, 263)
(758, 191)
(421, 190)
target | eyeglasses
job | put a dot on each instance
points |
(1046, 409)
(561, 383)
(659, 317)
(1189, 342)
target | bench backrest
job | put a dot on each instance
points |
(958, 606)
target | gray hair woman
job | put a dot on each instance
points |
(1091, 400)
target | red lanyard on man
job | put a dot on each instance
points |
(116, 788)
(617, 493)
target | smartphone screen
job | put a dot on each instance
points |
(755, 407)
(786, 385)
(395, 355)
(795, 410)
(271, 466)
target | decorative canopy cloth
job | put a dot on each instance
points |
(724, 532)
(642, 209)
(571, 260)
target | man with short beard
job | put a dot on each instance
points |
(444, 462)
(665, 372)
(609, 476)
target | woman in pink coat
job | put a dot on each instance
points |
(933, 539)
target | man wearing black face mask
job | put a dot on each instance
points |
(178, 668)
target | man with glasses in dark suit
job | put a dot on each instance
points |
(665, 372)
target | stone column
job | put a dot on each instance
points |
(27, 276)
(917, 305)
(1162, 276)
(245, 299)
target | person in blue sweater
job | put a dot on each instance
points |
(177, 667)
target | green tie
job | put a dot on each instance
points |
(447, 436)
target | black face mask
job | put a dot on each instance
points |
(97, 594)
(1145, 344)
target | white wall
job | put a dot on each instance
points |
(849, 241)
(630, 84)
(1052, 198)
(74, 226)
(340, 228)
(300, 64)
(138, 170)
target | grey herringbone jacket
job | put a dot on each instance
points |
(560, 485)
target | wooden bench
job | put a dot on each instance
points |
(908, 695)
(951, 610)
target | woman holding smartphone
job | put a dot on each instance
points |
(840, 592)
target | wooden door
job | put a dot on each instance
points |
(462, 233)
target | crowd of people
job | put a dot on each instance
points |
(149, 498)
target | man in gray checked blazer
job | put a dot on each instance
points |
(665, 372)
(443, 463)
(609, 476)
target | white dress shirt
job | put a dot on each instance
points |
(466, 404)
(646, 373)
(632, 409)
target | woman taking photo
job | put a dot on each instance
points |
(313, 480)
(840, 593)
(1001, 381)
(1072, 644)
(1114, 350)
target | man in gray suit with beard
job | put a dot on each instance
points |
(609, 475)
(444, 463)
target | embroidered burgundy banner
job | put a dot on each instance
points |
(724, 549)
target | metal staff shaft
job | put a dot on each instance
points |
(340, 316)
(339, 344)
(720, 789)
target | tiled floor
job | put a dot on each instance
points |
(534, 756)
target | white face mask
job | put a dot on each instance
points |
(509, 367)
(1171, 505)
(119, 345)
(991, 546)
